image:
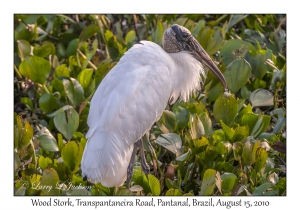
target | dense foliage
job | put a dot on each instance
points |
(216, 144)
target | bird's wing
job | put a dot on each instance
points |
(134, 93)
(127, 102)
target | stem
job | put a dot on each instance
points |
(46, 89)
(17, 72)
(90, 63)
(279, 26)
(280, 159)
(136, 32)
(221, 18)
(68, 18)
(154, 156)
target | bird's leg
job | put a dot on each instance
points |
(131, 163)
(145, 166)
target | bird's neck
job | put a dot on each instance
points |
(186, 76)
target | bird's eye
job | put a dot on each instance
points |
(185, 35)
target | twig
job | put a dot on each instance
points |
(279, 26)
(154, 156)
(135, 22)
(90, 63)
(46, 89)
(280, 159)
(221, 18)
(17, 72)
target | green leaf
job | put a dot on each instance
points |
(201, 142)
(140, 178)
(265, 189)
(22, 32)
(233, 49)
(237, 150)
(245, 92)
(159, 32)
(225, 109)
(237, 74)
(62, 70)
(27, 135)
(281, 185)
(221, 148)
(84, 77)
(229, 181)
(72, 47)
(182, 117)
(234, 19)
(26, 101)
(198, 27)
(257, 123)
(238, 118)
(259, 68)
(210, 39)
(259, 83)
(24, 49)
(44, 162)
(44, 50)
(217, 135)
(197, 128)
(167, 122)
(74, 91)
(87, 33)
(240, 133)
(227, 131)
(60, 142)
(184, 157)
(170, 184)
(66, 122)
(71, 155)
(154, 185)
(261, 97)
(17, 163)
(249, 152)
(50, 179)
(47, 141)
(17, 132)
(47, 103)
(173, 192)
(269, 137)
(207, 124)
(215, 92)
(204, 37)
(35, 68)
(215, 43)
(66, 107)
(261, 159)
(102, 69)
(130, 39)
(208, 183)
(227, 166)
(171, 141)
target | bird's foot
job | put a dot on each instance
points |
(131, 163)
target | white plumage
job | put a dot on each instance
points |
(129, 100)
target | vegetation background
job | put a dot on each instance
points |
(212, 145)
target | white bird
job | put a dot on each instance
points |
(133, 96)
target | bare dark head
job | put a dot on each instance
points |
(178, 38)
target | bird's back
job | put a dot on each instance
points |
(127, 102)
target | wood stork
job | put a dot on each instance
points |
(133, 96)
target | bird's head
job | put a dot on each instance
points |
(178, 38)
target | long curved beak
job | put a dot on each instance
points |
(200, 54)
